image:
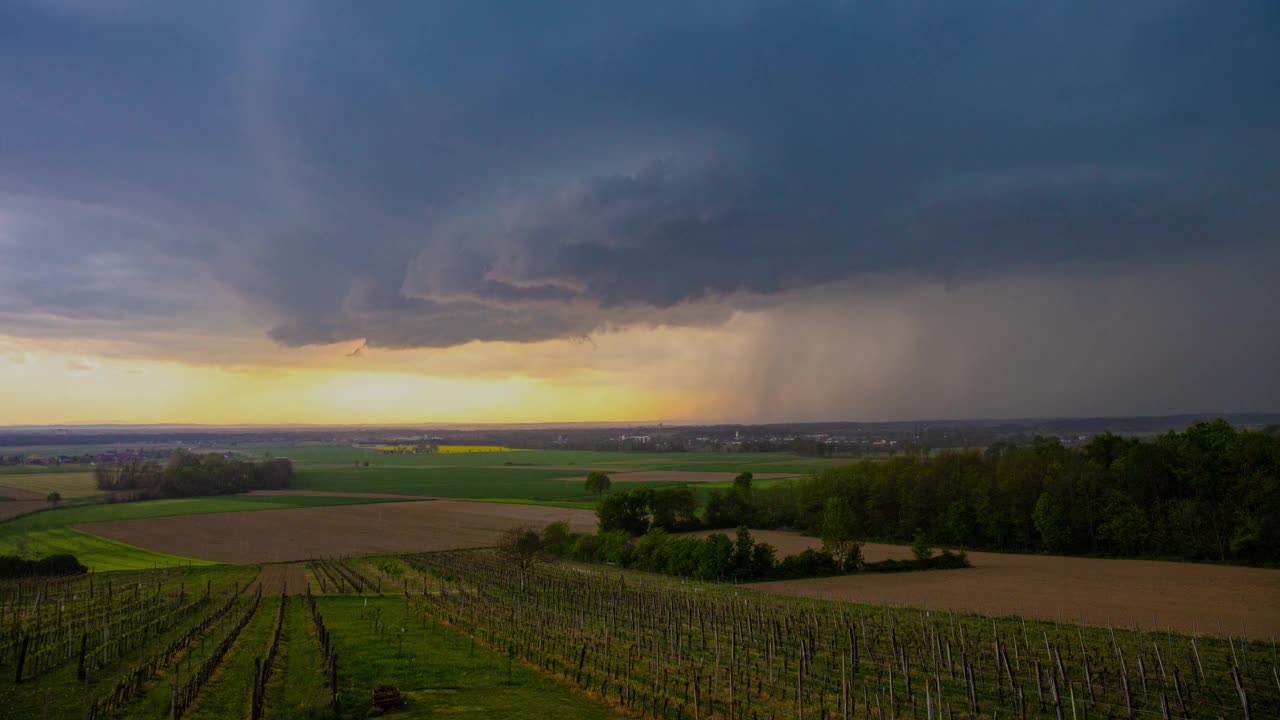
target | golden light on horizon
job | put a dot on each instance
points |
(50, 388)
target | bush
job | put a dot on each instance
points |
(764, 560)
(597, 483)
(946, 560)
(920, 548)
(14, 566)
(714, 557)
(810, 563)
(556, 538)
(613, 547)
(715, 561)
(583, 548)
(625, 511)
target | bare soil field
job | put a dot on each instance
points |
(328, 493)
(22, 494)
(1190, 597)
(302, 533)
(14, 508)
(570, 468)
(278, 578)
(684, 476)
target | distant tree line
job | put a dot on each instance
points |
(187, 474)
(1211, 492)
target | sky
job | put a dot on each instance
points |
(403, 212)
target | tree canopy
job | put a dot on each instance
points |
(597, 483)
(188, 474)
(1211, 492)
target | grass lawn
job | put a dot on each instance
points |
(68, 484)
(438, 671)
(50, 532)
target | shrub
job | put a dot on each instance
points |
(810, 563)
(14, 566)
(556, 538)
(625, 511)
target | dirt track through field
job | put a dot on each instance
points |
(281, 577)
(302, 533)
(1191, 597)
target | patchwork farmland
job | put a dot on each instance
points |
(300, 602)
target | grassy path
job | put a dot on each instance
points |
(297, 688)
(439, 672)
(228, 692)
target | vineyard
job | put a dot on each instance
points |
(660, 648)
(207, 643)
(419, 635)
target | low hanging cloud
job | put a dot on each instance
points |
(426, 176)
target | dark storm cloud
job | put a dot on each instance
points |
(426, 174)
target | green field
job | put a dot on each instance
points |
(68, 484)
(6, 470)
(304, 455)
(756, 463)
(471, 483)
(51, 531)
(82, 449)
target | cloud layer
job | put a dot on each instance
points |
(424, 175)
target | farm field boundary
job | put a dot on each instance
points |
(67, 484)
(305, 533)
(1187, 597)
(51, 531)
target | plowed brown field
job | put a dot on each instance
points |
(1191, 597)
(683, 476)
(301, 533)
(281, 577)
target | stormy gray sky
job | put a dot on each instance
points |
(694, 210)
